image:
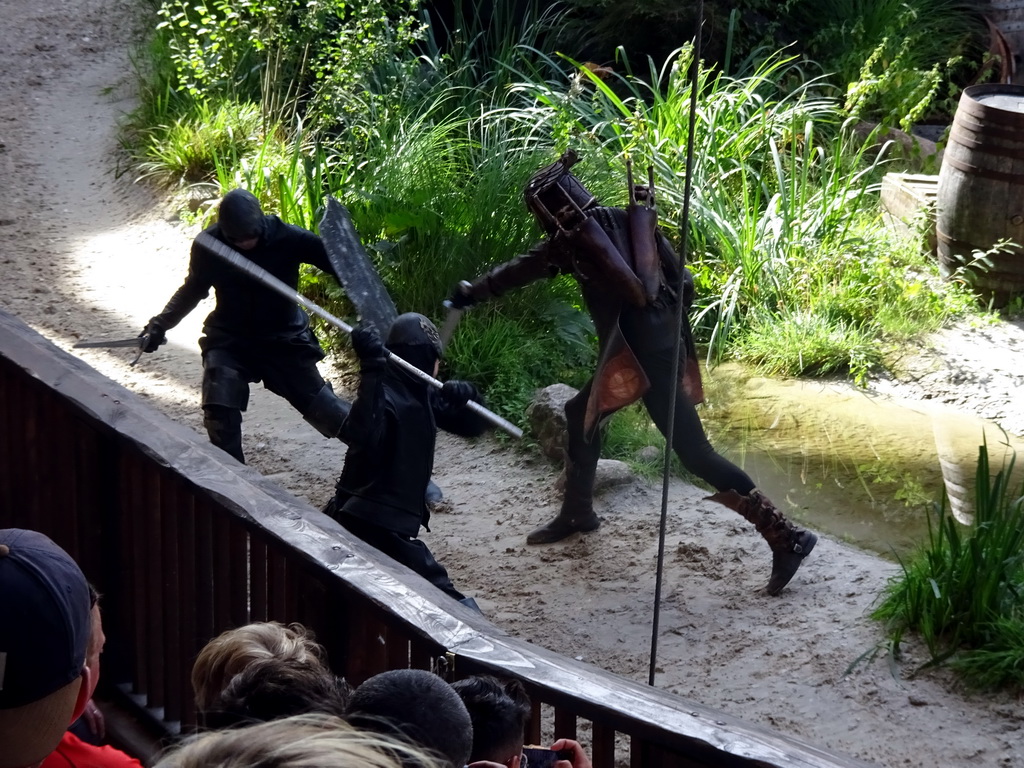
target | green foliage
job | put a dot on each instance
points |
(899, 60)
(280, 55)
(843, 305)
(508, 360)
(890, 90)
(807, 344)
(215, 45)
(188, 150)
(963, 592)
(290, 177)
(429, 148)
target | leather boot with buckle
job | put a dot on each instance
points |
(789, 544)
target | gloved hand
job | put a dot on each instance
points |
(461, 296)
(688, 289)
(366, 342)
(153, 336)
(457, 393)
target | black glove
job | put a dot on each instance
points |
(457, 393)
(366, 342)
(152, 336)
(688, 290)
(461, 296)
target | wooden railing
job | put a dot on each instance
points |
(185, 543)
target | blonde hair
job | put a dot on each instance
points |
(303, 741)
(234, 650)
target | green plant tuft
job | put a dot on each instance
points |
(963, 592)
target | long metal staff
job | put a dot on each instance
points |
(235, 259)
(685, 227)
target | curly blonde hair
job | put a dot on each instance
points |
(232, 651)
(303, 741)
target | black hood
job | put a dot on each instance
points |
(241, 217)
(415, 339)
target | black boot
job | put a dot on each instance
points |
(434, 495)
(789, 544)
(563, 526)
(577, 513)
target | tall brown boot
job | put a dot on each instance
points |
(789, 544)
(577, 513)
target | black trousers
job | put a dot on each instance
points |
(286, 367)
(412, 553)
(647, 332)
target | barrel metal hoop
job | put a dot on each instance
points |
(989, 116)
(976, 129)
(982, 172)
(962, 246)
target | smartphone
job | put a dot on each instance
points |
(539, 757)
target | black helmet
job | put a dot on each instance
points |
(415, 339)
(241, 217)
(557, 198)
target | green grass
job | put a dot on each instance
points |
(188, 150)
(963, 592)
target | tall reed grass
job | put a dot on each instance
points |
(963, 592)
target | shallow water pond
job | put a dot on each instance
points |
(858, 467)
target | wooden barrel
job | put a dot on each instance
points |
(980, 199)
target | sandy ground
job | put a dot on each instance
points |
(88, 254)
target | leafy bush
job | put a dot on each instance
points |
(281, 55)
(898, 60)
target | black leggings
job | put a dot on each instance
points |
(689, 440)
(412, 553)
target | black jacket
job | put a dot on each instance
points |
(391, 432)
(246, 309)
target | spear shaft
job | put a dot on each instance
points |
(237, 260)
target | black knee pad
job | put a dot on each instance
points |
(225, 387)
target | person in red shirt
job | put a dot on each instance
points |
(72, 752)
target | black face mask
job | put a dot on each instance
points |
(415, 339)
(240, 217)
(422, 356)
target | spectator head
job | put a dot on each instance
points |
(45, 627)
(97, 639)
(499, 711)
(304, 741)
(418, 706)
(271, 689)
(231, 652)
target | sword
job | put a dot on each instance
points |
(451, 321)
(237, 260)
(135, 341)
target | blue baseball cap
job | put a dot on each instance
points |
(45, 626)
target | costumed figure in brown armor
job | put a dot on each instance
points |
(628, 274)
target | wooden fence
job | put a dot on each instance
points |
(184, 543)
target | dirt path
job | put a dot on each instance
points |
(86, 254)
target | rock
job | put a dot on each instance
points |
(610, 473)
(650, 454)
(546, 416)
